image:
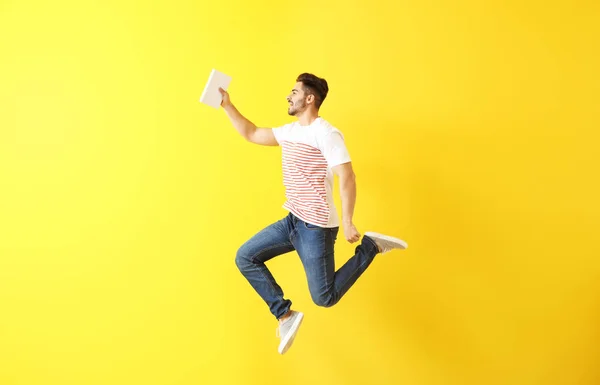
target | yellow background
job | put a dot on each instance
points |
(473, 127)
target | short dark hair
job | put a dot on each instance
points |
(314, 85)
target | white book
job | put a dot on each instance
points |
(211, 95)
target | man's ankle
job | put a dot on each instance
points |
(285, 316)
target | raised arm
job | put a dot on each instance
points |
(248, 130)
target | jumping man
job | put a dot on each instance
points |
(312, 152)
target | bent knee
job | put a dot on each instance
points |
(326, 300)
(242, 259)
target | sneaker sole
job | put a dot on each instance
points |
(289, 339)
(403, 245)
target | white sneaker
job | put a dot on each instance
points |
(386, 243)
(287, 330)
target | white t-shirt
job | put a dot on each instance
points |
(308, 154)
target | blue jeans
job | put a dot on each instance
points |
(315, 246)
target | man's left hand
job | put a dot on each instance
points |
(351, 233)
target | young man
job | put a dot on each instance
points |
(312, 152)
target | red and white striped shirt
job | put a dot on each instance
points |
(308, 154)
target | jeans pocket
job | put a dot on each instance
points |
(310, 226)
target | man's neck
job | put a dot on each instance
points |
(308, 117)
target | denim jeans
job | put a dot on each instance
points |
(315, 246)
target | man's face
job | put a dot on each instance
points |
(297, 100)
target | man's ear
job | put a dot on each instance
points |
(310, 99)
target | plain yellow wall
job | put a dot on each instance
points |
(473, 131)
